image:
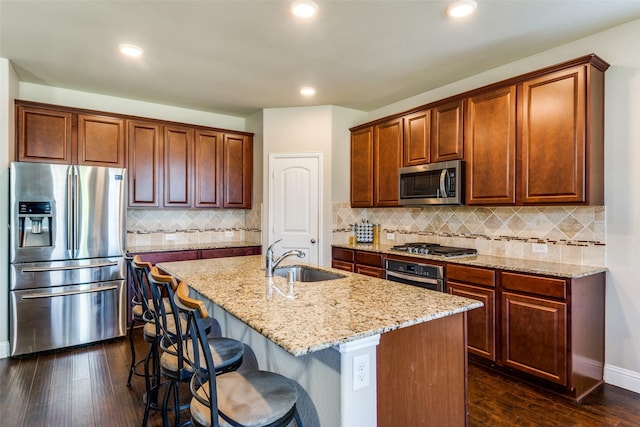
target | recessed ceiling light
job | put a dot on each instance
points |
(304, 8)
(462, 8)
(308, 91)
(130, 50)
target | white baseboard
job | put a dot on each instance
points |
(623, 378)
(4, 349)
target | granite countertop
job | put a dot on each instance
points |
(566, 271)
(322, 314)
(188, 246)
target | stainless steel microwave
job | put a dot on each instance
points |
(432, 184)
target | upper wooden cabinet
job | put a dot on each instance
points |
(178, 165)
(417, 138)
(208, 164)
(362, 167)
(387, 159)
(145, 164)
(101, 141)
(490, 147)
(237, 166)
(376, 156)
(168, 164)
(562, 142)
(47, 135)
(447, 132)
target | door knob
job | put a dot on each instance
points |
(313, 241)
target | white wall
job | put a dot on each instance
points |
(618, 47)
(323, 129)
(111, 104)
(8, 90)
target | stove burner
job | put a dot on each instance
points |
(434, 249)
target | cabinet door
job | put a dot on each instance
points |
(178, 158)
(362, 168)
(481, 322)
(417, 138)
(490, 151)
(44, 136)
(552, 144)
(237, 167)
(387, 159)
(534, 336)
(101, 141)
(144, 164)
(208, 167)
(446, 132)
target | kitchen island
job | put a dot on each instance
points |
(407, 344)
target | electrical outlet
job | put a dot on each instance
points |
(228, 234)
(391, 236)
(539, 248)
(169, 236)
(360, 372)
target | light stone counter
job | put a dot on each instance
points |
(566, 271)
(322, 314)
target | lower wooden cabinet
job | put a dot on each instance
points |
(478, 284)
(547, 328)
(534, 336)
(361, 262)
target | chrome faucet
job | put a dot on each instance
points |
(271, 264)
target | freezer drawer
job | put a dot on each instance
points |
(64, 316)
(61, 273)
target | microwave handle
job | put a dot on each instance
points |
(444, 183)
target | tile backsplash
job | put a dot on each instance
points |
(183, 226)
(571, 234)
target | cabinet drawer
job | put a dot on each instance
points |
(342, 265)
(478, 276)
(370, 271)
(342, 254)
(368, 258)
(554, 288)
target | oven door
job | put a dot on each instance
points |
(409, 279)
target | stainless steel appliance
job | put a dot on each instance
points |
(434, 249)
(420, 274)
(432, 184)
(67, 241)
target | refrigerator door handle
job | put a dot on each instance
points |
(76, 209)
(70, 212)
(69, 267)
(64, 294)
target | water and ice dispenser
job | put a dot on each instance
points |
(34, 219)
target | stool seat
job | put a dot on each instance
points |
(138, 311)
(149, 329)
(251, 399)
(226, 352)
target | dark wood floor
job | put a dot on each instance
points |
(87, 387)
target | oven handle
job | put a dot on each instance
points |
(419, 279)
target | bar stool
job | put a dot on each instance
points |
(249, 398)
(139, 316)
(177, 348)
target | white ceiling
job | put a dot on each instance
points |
(238, 56)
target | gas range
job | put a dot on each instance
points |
(434, 249)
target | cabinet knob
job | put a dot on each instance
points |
(313, 241)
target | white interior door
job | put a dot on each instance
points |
(294, 197)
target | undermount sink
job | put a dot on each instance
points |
(303, 273)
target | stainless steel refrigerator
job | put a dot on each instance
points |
(67, 271)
